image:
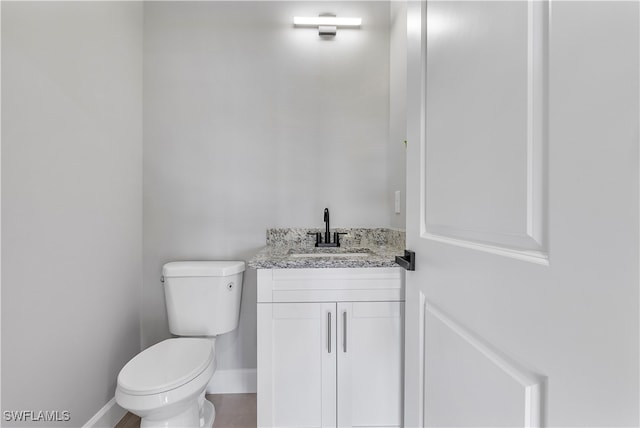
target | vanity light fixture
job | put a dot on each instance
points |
(327, 24)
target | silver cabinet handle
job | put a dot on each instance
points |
(329, 332)
(344, 331)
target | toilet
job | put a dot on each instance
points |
(166, 383)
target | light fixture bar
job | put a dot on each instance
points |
(315, 21)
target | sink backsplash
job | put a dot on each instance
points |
(355, 237)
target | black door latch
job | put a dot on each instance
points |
(408, 261)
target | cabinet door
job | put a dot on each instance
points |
(297, 365)
(370, 378)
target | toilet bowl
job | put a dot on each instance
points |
(165, 384)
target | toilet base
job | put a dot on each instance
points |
(200, 414)
(208, 415)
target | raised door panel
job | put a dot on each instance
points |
(299, 388)
(484, 149)
(468, 379)
(370, 343)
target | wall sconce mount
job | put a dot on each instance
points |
(327, 24)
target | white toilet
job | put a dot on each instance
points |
(165, 384)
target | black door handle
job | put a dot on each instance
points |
(408, 261)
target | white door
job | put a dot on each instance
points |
(522, 184)
(369, 352)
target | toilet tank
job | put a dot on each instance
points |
(203, 297)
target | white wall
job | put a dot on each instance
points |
(71, 202)
(250, 123)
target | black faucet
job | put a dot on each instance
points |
(327, 237)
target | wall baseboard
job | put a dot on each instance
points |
(235, 381)
(107, 417)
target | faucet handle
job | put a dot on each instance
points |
(336, 237)
(318, 237)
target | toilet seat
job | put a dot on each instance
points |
(165, 366)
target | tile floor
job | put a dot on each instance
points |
(232, 411)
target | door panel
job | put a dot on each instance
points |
(303, 368)
(370, 364)
(484, 153)
(490, 388)
(522, 208)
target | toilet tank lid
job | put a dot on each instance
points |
(202, 268)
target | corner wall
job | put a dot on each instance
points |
(71, 204)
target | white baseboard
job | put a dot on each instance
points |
(107, 417)
(235, 381)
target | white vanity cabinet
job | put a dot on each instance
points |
(330, 347)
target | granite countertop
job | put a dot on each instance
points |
(362, 248)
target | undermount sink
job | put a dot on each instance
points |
(343, 255)
(333, 253)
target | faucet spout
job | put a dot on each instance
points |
(327, 237)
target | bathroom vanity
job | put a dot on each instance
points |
(330, 336)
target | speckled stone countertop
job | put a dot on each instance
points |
(286, 249)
